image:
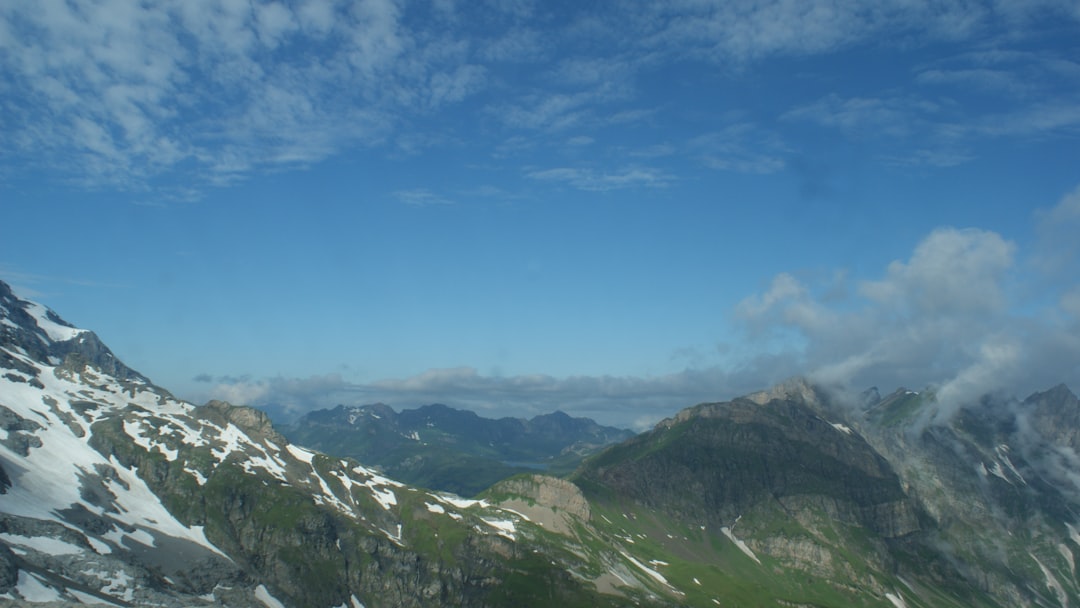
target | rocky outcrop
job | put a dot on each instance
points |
(546, 491)
(555, 504)
(252, 421)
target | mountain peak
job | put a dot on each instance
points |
(50, 340)
(797, 388)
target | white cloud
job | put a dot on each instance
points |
(951, 271)
(865, 116)
(950, 316)
(742, 30)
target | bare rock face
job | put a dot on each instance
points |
(550, 492)
(250, 420)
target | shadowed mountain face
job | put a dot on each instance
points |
(716, 462)
(112, 490)
(449, 449)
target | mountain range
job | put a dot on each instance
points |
(448, 449)
(114, 491)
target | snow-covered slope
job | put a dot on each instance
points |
(97, 470)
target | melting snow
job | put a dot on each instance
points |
(843, 428)
(460, 503)
(896, 600)
(43, 544)
(435, 508)
(1052, 582)
(395, 537)
(1073, 534)
(505, 527)
(32, 589)
(740, 544)
(101, 547)
(300, 453)
(997, 471)
(647, 570)
(1068, 555)
(263, 595)
(1003, 453)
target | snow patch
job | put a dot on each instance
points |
(263, 595)
(32, 589)
(458, 502)
(435, 508)
(199, 477)
(1052, 582)
(100, 546)
(300, 453)
(647, 570)
(55, 331)
(504, 527)
(740, 544)
(396, 538)
(1074, 535)
(1003, 453)
(896, 600)
(1068, 555)
(843, 428)
(50, 546)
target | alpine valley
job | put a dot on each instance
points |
(114, 492)
(449, 449)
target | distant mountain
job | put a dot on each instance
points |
(448, 449)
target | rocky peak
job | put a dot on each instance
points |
(250, 420)
(50, 340)
(795, 389)
(1055, 413)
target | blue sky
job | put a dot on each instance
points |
(518, 206)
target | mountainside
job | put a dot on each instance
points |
(112, 490)
(448, 449)
(858, 504)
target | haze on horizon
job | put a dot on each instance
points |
(516, 206)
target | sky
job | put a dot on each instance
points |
(614, 209)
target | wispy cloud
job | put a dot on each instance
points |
(601, 181)
(122, 93)
(210, 91)
(741, 148)
(421, 198)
